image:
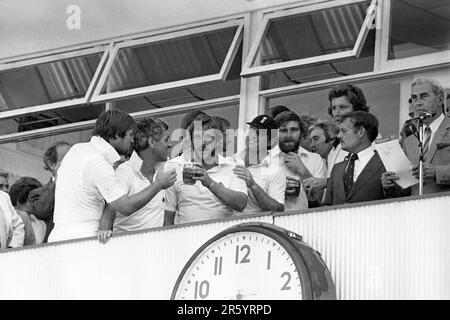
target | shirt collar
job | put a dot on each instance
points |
(436, 123)
(109, 153)
(135, 162)
(366, 154)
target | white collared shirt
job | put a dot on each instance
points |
(12, 228)
(364, 157)
(152, 214)
(336, 155)
(86, 179)
(312, 161)
(434, 126)
(269, 176)
(196, 202)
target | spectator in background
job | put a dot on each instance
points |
(42, 200)
(307, 122)
(86, 179)
(151, 146)
(343, 99)
(266, 183)
(358, 178)
(4, 184)
(12, 230)
(276, 110)
(297, 163)
(323, 136)
(34, 228)
(212, 191)
(190, 117)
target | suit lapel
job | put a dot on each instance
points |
(366, 174)
(339, 187)
(440, 133)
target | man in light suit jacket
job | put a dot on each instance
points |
(427, 95)
(358, 178)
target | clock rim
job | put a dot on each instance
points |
(288, 240)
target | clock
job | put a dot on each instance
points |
(255, 261)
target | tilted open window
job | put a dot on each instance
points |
(310, 35)
(49, 83)
(174, 60)
(418, 28)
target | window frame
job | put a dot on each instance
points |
(84, 125)
(98, 97)
(249, 71)
(407, 62)
(105, 49)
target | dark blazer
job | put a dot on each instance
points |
(438, 155)
(367, 187)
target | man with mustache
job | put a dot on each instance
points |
(358, 178)
(343, 98)
(210, 189)
(297, 163)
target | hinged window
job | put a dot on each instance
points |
(174, 60)
(311, 35)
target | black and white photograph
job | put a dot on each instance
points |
(212, 150)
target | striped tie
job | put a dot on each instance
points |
(426, 141)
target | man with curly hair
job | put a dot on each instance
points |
(151, 146)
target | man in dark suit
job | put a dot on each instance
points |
(358, 178)
(42, 200)
(427, 95)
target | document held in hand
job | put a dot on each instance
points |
(394, 159)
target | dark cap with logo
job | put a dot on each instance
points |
(263, 121)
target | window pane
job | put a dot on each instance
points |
(383, 98)
(170, 60)
(312, 34)
(326, 70)
(419, 27)
(46, 83)
(229, 87)
(24, 159)
(50, 119)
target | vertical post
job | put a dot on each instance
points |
(249, 104)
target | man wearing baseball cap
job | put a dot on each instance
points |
(266, 183)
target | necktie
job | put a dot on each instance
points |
(426, 141)
(348, 175)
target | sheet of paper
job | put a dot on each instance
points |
(394, 159)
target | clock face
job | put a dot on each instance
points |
(241, 265)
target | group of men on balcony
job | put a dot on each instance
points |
(122, 180)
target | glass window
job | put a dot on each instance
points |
(194, 93)
(47, 82)
(189, 60)
(49, 118)
(312, 37)
(383, 98)
(418, 27)
(25, 158)
(325, 70)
